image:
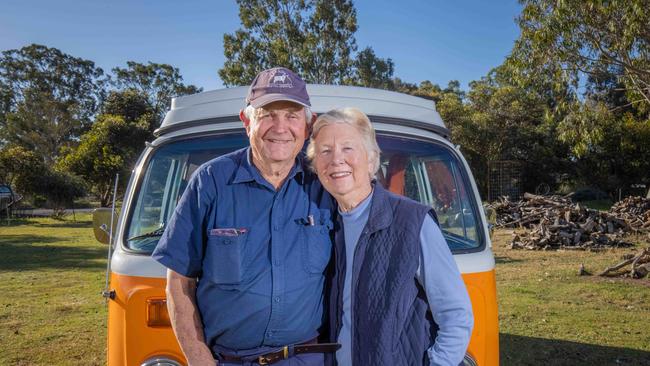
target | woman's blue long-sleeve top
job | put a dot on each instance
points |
(438, 274)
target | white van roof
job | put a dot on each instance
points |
(380, 105)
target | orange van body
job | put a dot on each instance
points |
(142, 342)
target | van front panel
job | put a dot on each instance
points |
(416, 164)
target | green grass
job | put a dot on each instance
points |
(51, 310)
(51, 313)
(548, 314)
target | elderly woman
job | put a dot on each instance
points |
(397, 297)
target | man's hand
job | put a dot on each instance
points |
(185, 319)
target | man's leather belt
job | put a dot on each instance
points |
(283, 354)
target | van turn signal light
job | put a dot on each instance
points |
(157, 315)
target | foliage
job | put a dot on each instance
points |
(110, 147)
(589, 37)
(43, 125)
(128, 118)
(372, 71)
(16, 161)
(499, 119)
(47, 70)
(44, 91)
(313, 38)
(29, 175)
(157, 83)
(130, 104)
(620, 157)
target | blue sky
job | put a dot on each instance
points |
(427, 40)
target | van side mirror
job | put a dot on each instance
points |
(491, 217)
(101, 224)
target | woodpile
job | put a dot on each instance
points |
(635, 211)
(639, 266)
(555, 222)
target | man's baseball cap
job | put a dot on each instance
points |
(277, 84)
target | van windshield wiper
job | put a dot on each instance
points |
(158, 232)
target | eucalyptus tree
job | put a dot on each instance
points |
(156, 83)
(47, 98)
(588, 38)
(315, 38)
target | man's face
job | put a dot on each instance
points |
(278, 132)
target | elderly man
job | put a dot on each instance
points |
(247, 246)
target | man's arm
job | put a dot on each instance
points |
(185, 319)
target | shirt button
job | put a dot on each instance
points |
(269, 334)
(277, 299)
(276, 227)
(227, 241)
(277, 262)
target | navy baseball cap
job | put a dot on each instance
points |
(277, 84)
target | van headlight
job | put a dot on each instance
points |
(161, 361)
(468, 360)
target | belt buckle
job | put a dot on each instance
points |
(264, 360)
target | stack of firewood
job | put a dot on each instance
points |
(554, 222)
(635, 211)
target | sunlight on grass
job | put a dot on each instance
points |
(543, 300)
(51, 311)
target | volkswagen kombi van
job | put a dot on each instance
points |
(418, 160)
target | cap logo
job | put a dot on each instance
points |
(281, 80)
(277, 84)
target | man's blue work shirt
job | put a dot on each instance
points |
(259, 254)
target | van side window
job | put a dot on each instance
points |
(432, 174)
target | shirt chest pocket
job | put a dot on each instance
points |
(316, 247)
(223, 262)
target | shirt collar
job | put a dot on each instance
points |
(247, 172)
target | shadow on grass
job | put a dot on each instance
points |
(17, 252)
(67, 223)
(506, 260)
(520, 351)
(15, 221)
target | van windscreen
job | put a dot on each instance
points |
(423, 170)
(167, 173)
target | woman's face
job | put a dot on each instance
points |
(342, 164)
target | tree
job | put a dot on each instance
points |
(588, 37)
(29, 175)
(16, 161)
(47, 89)
(110, 147)
(114, 142)
(329, 42)
(373, 72)
(505, 118)
(43, 125)
(610, 151)
(133, 107)
(157, 83)
(313, 38)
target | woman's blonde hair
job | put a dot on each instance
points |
(355, 118)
